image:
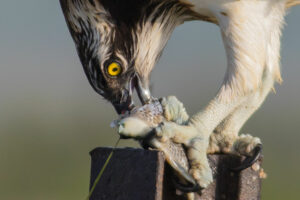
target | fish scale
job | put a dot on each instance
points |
(174, 153)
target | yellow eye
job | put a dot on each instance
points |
(114, 69)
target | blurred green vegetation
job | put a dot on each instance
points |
(44, 149)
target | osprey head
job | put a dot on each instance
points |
(120, 41)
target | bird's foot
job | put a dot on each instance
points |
(190, 196)
(174, 110)
(185, 187)
(195, 151)
(203, 176)
(178, 130)
(200, 169)
(175, 125)
(196, 147)
(249, 146)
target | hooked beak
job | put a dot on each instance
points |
(143, 90)
(126, 102)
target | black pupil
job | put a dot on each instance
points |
(115, 69)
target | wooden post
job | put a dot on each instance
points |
(138, 174)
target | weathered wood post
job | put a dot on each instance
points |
(138, 174)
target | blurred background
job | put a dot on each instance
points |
(50, 118)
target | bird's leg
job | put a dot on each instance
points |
(225, 137)
(249, 62)
(226, 133)
(195, 135)
(253, 38)
(251, 34)
(181, 130)
(176, 128)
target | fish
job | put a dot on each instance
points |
(140, 125)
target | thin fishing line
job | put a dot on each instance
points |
(102, 170)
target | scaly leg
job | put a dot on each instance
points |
(225, 137)
(251, 34)
(191, 135)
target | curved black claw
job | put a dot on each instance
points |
(185, 187)
(249, 161)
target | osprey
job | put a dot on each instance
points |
(120, 41)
